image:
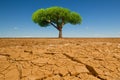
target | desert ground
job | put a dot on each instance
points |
(60, 59)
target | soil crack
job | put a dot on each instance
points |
(7, 55)
(90, 68)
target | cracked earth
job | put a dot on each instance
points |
(59, 59)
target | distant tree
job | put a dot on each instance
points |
(57, 17)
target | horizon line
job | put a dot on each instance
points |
(50, 37)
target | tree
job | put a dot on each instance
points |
(57, 17)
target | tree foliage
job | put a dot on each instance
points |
(56, 16)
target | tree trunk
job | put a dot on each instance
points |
(60, 33)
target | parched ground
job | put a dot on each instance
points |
(60, 59)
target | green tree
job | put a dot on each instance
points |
(57, 17)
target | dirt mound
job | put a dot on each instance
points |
(60, 59)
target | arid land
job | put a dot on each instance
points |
(60, 59)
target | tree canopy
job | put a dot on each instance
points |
(56, 16)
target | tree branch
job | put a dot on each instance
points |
(53, 25)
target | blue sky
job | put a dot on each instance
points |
(101, 18)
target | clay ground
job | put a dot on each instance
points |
(60, 59)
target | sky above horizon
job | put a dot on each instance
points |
(101, 18)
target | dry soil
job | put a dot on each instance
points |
(60, 59)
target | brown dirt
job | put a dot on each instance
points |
(60, 59)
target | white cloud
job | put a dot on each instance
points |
(107, 35)
(15, 28)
